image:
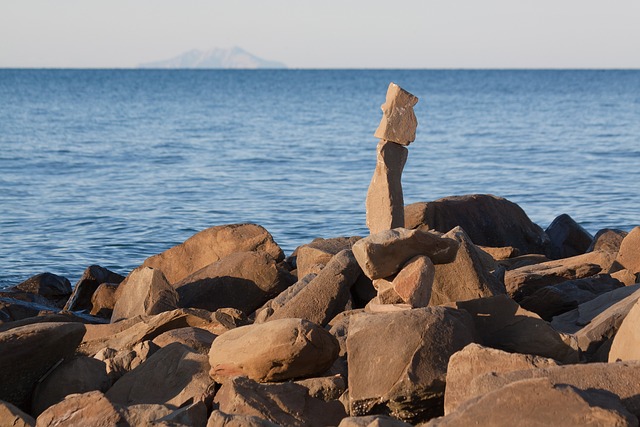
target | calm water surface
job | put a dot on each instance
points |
(111, 166)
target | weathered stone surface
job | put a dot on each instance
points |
(241, 280)
(501, 323)
(339, 328)
(398, 360)
(86, 409)
(56, 289)
(327, 294)
(196, 338)
(626, 277)
(193, 415)
(319, 252)
(626, 343)
(28, 352)
(287, 404)
(475, 360)
(220, 419)
(172, 376)
(414, 282)
(502, 253)
(372, 421)
(568, 238)
(621, 379)
(145, 291)
(382, 254)
(264, 313)
(385, 202)
(211, 245)
(524, 281)
(103, 300)
(74, 376)
(629, 253)
(607, 240)
(64, 316)
(487, 219)
(467, 277)
(539, 402)
(12, 309)
(119, 362)
(14, 417)
(84, 289)
(274, 351)
(398, 122)
(551, 301)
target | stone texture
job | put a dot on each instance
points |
(501, 323)
(119, 362)
(287, 404)
(629, 253)
(144, 291)
(220, 419)
(327, 294)
(266, 311)
(626, 343)
(274, 351)
(398, 360)
(103, 300)
(467, 277)
(93, 276)
(86, 409)
(398, 122)
(14, 417)
(12, 309)
(29, 352)
(626, 277)
(382, 254)
(372, 421)
(502, 253)
(339, 328)
(319, 252)
(539, 402)
(487, 219)
(608, 240)
(172, 376)
(568, 238)
(193, 415)
(414, 282)
(211, 245)
(80, 374)
(197, 339)
(241, 280)
(385, 202)
(475, 360)
(55, 289)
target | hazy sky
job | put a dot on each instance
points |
(326, 33)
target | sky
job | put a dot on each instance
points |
(325, 34)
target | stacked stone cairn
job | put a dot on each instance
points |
(453, 312)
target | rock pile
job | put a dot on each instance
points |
(453, 312)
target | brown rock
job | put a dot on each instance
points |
(502, 253)
(196, 338)
(55, 289)
(87, 409)
(119, 362)
(607, 240)
(13, 309)
(211, 245)
(398, 360)
(84, 289)
(287, 404)
(103, 300)
(172, 376)
(372, 421)
(626, 343)
(568, 238)
(326, 295)
(279, 350)
(241, 280)
(220, 419)
(14, 417)
(487, 219)
(414, 282)
(629, 253)
(385, 203)
(382, 254)
(266, 311)
(626, 277)
(145, 291)
(475, 360)
(398, 122)
(193, 415)
(339, 328)
(539, 402)
(319, 252)
(29, 352)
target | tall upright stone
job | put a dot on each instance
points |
(398, 122)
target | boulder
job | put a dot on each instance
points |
(241, 280)
(287, 404)
(629, 253)
(372, 421)
(568, 238)
(274, 351)
(103, 300)
(13, 309)
(29, 352)
(262, 314)
(14, 417)
(119, 362)
(56, 289)
(626, 343)
(86, 409)
(626, 277)
(487, 219)
(198, 339)
(501, 323)
(475, 360)
(385, 203)
(211, 245)
(539, 402)
(339, 328)
(319, 252)
(193, 415)
(172, 376)
(502, 253)
(467, 277)
(398, 122)
(220, 419)
(607, 240)
(382, 254)
(145, 291)
(326, 295)
(93, 276)
(398, 360)
(74, 376)
(414, 282)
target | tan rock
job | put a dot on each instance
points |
(119, 362)
(198, 339)
(87, 409)
(398, 122)
(84, 289)
(14, 417)
(266, 311)
(386, 293)
(103, 300)
(475, 360)
(319, 252)
(144, 291)
(382, 254)
(385, 202)
(414, 282)
(220, 419)
(192, 415)
(274, 351)
(501, 253)
(626, 277)
(607, 240)
(210, 245)
(626, 343)
(629, 253)
(372, 421)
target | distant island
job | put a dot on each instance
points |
(235, 58)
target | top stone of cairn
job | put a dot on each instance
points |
(398, 122)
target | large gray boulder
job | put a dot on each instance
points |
(144, 292)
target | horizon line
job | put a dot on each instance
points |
(336, 68)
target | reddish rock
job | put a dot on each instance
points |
(607, 240)
(629, 253)
(266, 311)
(92, 278)
(319, 252)
(87, 409)
(220, 419)
(414, 282)
(103, 300)
(626, 343)
(144, 292)
(14, 417)
(502, 253)
(198, 339)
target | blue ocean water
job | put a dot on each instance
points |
(111, 166)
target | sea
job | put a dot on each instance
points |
(109, 167)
